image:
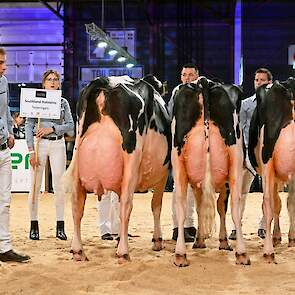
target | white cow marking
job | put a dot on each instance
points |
(131, 123)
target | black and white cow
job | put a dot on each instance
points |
(123, 145)
(207, 152)
(272, 153)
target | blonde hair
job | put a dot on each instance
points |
(47, 73)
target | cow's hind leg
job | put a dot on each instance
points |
(78, 203)
(277, 237)
(156, 209)
(268, 179)
(129, 182)
(200, 239)
(222, 203)
(181, 183)
(235, 184)
(291, 211)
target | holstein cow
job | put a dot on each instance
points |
(207, 152)
(123, 145)
(272, 153)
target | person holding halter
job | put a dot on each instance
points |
(51, 143)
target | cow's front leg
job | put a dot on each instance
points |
(235, 184)
(78, 203)
(181, 182)
(129, 182)
(277, 237)
(222, 203)
(156, 209)
(291, 211)
(268, 179)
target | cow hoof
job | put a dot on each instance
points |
(123, 258)
(199, 245)
(158, 244)
(291, 242)
(224, 245)
(242, 259)
(276, 241)
(269, 258)
(180, 260)
(79, 255)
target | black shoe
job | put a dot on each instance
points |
(34, 230)
(175, 233)
(13, 256)
(60, 230)
(187, 237)
(233, 235)
(192, 231)
(261, 233)
(107, 236)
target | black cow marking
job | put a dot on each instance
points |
(220, 103)
(124, 104)
(274, 112)
(186, 110)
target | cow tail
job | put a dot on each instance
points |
(71, 174)
(207, 209)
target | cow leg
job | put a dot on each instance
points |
(277, 237)
(78, 203)
(268, 209)
(156, 209)
(235, 184)
(181, 183)
(291, 212)
(222, 208)
(200, 239)
(129, 182)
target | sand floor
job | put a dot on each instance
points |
(52, 271)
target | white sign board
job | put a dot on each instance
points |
(40, 103)
(21, 176)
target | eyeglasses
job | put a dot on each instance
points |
(52, 79)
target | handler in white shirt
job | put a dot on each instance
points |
(51, 143)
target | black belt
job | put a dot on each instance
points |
(53, 137)
(3, 146)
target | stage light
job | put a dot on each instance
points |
(112, 52)
(121, 59)
(105, 41)
(102, 44)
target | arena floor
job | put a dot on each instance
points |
(52, 271)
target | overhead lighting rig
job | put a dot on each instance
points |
(112, 48)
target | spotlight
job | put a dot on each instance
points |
(130, 65)
(121, 59)
(112, 52)
(102, 44)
